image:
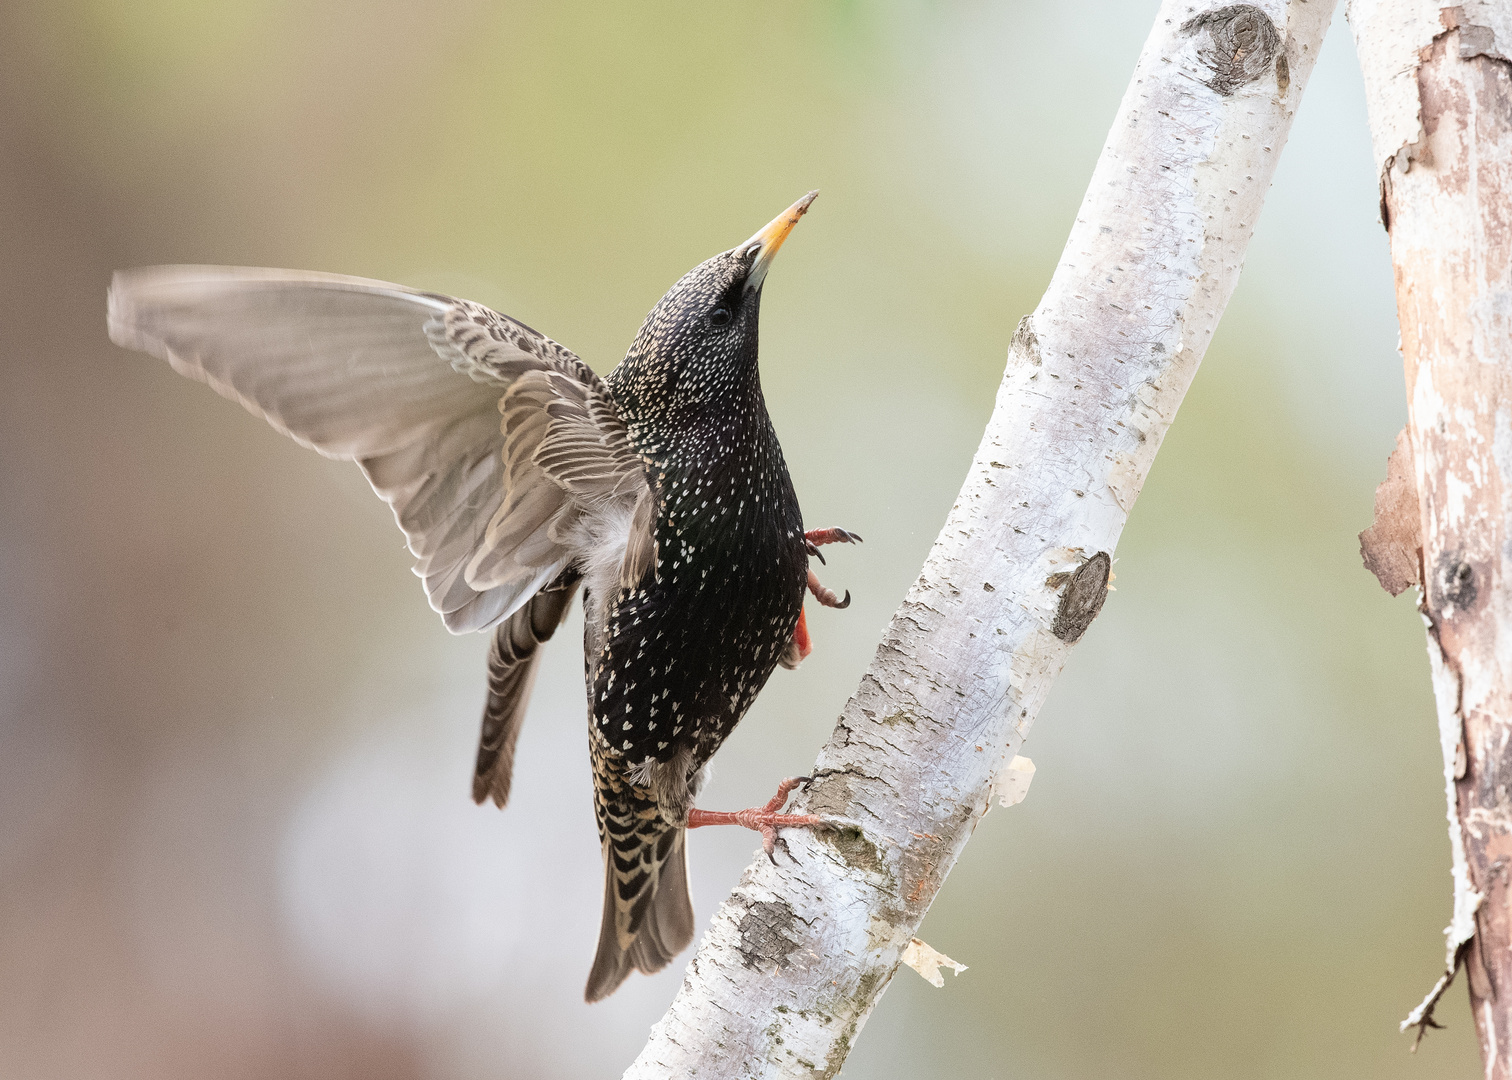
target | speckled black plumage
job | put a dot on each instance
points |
(685, 652)
(689, 648)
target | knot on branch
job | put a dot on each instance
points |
(766, 934)
(1086, 589)
(1240, 44)
(1025, 343)
(1454, 585)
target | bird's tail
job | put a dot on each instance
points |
(511, 674)
(648, 910)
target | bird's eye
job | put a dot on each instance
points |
(720, 316)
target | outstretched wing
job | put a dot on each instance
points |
(411, 386)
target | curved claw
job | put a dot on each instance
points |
(832, 536)
(825, 596)
(779, 841)
(813, 549)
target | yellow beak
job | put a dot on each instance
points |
(770, 238)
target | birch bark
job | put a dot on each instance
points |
(799, 953)
(1439, 87)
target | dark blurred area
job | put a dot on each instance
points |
(235, 745)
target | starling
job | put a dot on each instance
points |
(520, 478)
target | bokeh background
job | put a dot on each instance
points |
(235, 745)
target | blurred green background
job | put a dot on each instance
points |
(235, 746)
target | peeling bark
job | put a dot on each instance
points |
(1392, 548)
(1440, 99)
(799, 953)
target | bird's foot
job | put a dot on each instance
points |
(826, 596)
(814, 539)
(763, 819)
(832, 536)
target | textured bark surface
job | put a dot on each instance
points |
(798, 955)
(1440, 91)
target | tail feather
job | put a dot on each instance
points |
(511, 675)
(665, 924)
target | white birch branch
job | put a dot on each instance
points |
(1439, 91)
(799, 953)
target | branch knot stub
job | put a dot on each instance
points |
(1086, 589)
(1025, 341)
(766, 934)
(1454, 586)
(1241, 44)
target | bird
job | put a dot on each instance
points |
(521, 479)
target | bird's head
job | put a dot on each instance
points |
(695, 355)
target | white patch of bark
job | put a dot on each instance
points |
(798, 955)
(1011, 785)
(1389, 35)
(1467, 901)
(928, 961)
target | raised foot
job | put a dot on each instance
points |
(814, 539)
(832, 536)
(826, 596)
(763, 819)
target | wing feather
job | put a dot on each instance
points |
(412, 386)
(511, 671)
(338, 364)
(640, 549)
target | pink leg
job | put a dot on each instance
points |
(826, 596)
(763, 819)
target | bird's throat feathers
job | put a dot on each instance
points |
(693, 364)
